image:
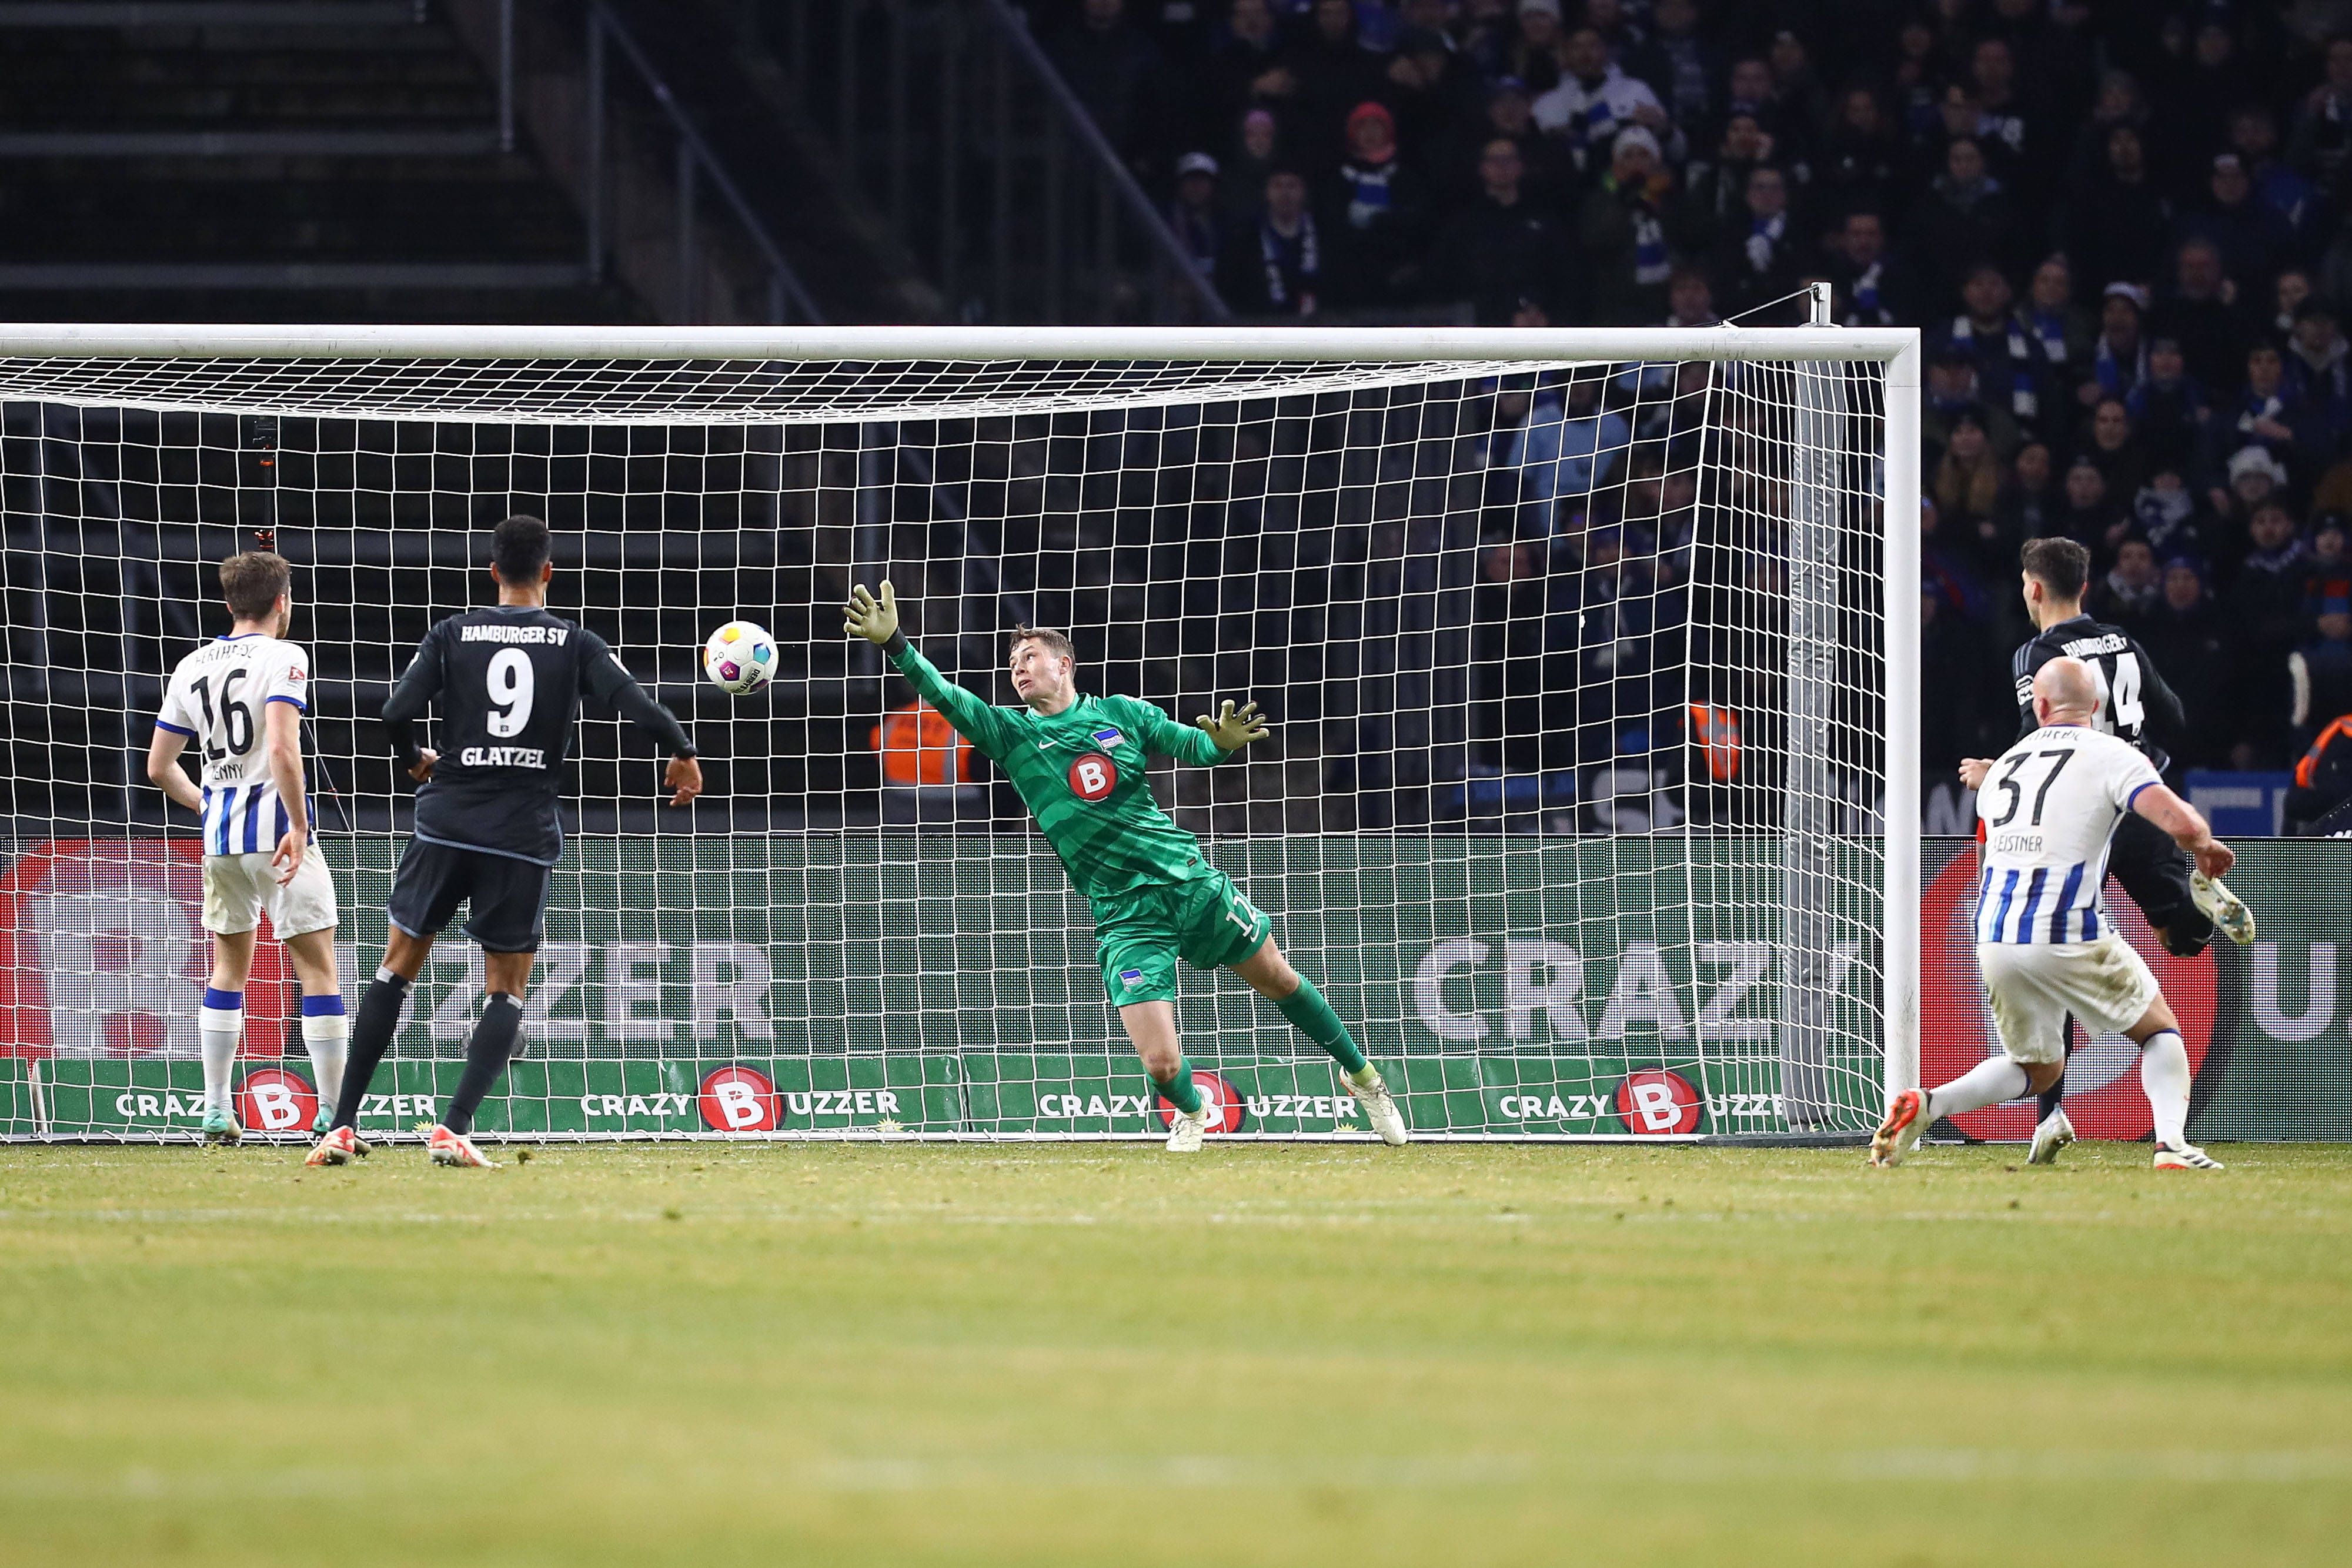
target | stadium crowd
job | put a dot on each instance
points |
(2124, 226)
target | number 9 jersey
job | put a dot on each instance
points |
(507, 682)
(216, 697)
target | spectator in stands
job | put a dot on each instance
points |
(1595, 99)
(2091, 518)
(1756, 260)
(2116, 219)
(2255, 136)
(2165, 514)
(2062, 330)
(2254, 477)
(2252, 240)
(2269, 415)
(1547, 174)
(2320, 672)
(2265, 616)
(1682, 69)
(1967, 217)
(1193, 216)
(1436, 94)
(2200, 314)
(1968, 483)
(2184, 636)
(1690, 300)
(1861, 164)
(1718, 183)
(1274, 265)
(2128, 595)
(1952, 392)
(2004, 119)
(2012, 369)
(1245, 69)
(1505, 249)
(2114, 447)
(1335, 72)
(2318, 366)
(2323, 128)
(1867, 286)
(2171, 411)
(2031, 501)
(1533, 55)
(1257, 153)
(2328, 576)
(1116, 72)
(1622, 230)
(1567, 448)
(2119, 358)
(1377, 216)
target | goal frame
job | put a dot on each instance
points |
(1896, 349)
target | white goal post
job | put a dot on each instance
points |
(1593, 802)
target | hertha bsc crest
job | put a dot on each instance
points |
(1093, 776)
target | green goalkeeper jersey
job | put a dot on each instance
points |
(1081, 772)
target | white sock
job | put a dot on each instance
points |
(220, 1025)
(2164, 1074)
(1992, 1082)
(325, 1035)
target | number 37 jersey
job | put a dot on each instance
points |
(218, 699)
(2050, 805)
(507, 683)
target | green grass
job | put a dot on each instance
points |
(898, 1355)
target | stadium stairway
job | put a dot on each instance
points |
(339, 159)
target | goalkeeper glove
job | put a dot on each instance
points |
(876, 622)
(1232, 730)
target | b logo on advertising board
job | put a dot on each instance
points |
(1656, 1104)
(1227, 1109)
(2103, 1099)
(1093, 776)
(740, 1100)
(272, 1100)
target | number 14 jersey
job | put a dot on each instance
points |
(218, 698)
(2050, 807)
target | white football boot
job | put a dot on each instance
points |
(1380, 1105)
(2225, 909)
(1185, 1132)
(2184, 1157)
(2054, 1133)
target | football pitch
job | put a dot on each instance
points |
(1096, 1354)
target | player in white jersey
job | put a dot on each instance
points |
(240, 699)
(2050, 807)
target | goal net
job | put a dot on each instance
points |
(1591, 660)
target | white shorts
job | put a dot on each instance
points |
(237, 888)
(2032, 988)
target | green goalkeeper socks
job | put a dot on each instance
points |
(1180, 1090)
(1313, 1016)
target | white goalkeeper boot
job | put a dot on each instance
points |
(1185, 1132)
(2184, 1157)
(2054, 1133)
(1380, 1105)
(2225, 909)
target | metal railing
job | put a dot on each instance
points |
(948, 122)
(696, 171)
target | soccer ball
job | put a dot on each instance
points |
(739, 658)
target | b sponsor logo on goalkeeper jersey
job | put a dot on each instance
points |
(1093, 776)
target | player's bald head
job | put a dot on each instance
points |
(2065, 691)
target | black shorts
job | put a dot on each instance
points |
(2155, 873)
(510, 896)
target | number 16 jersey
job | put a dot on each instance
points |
(218, 698)
(507, 682)
(2050, 806)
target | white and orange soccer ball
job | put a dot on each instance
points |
(739, 658)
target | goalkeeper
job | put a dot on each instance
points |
(1078, 762)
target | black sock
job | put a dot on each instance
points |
(487, 1050)
(372, 1033)
(2046, 1103)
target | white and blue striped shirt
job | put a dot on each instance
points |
(218, 698)
(2050, 806)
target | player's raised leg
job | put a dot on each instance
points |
(220, 1028)
(1271, 976)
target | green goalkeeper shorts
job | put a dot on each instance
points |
(1140, 935)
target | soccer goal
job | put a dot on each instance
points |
(1591, 656)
